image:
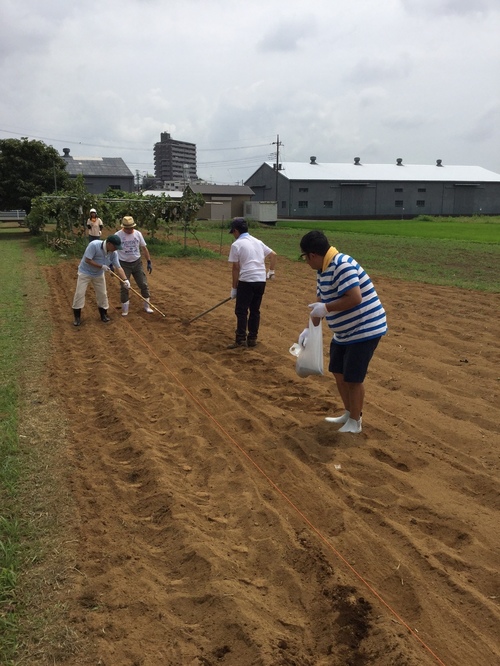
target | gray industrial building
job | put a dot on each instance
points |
(100, 173)
(315, 190)
(174, 160)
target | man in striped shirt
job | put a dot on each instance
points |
(347, 299)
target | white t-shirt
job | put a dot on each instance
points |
(131, 245)
(250, 253)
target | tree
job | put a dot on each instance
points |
(68, 209)
(28, 169)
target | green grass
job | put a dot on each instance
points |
(480, 229)
(11, 351)
(413, 255)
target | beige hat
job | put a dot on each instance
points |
(128, 222)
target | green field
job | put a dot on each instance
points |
(454, 252)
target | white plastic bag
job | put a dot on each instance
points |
(310, 357)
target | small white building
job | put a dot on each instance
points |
(261, 211)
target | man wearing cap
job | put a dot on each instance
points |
(94, 225)
(96, 261)
(130, 260)
(247, 256)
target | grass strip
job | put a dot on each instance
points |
(12, 314)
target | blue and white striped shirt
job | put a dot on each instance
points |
(363, 322)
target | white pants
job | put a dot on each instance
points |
(99, 284)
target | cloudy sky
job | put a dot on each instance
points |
(417, 79)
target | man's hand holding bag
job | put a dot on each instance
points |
(310, 353)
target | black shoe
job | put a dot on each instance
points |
(104, 314)
(237, 344)
(252, 342)
(77, 313)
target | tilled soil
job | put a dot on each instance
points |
(221, 520)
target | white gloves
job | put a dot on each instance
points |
(126, 284)
(233, 293)
(318, 310)
(303, 337)
(105, 268)
(270, 275)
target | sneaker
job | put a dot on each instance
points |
(236, 344)
(352, 426)
(147, 307)
(251, 342)
(125, 308)
(338, 419)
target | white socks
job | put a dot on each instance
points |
(339, 419)
(352, 426)
(348, 424)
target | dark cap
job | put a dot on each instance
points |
(239, 224)
(114, 239)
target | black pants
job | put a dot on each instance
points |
(248, 299)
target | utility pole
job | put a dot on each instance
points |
(277, 165)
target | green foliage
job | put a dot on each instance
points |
(27, 170)
(69, 210)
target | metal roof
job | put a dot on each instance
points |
(104, 167)
(222, 190)
(386, 172)
(173, 194)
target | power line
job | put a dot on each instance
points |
(116, 147)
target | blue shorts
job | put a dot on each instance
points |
(352, 361)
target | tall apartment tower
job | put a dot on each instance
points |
(174, 160)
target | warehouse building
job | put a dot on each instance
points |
(316, 190)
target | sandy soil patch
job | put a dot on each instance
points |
(220, 520)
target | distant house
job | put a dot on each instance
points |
(100, 173)
(317, 190)
(222, 201)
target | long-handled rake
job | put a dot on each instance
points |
(207, 311)
(138, 294)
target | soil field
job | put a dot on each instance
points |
(220, 520)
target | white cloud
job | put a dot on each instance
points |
(411, 78)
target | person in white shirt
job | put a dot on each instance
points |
(247, 256)
(94, 225)
(130, 260)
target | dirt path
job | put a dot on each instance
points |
(193, 467)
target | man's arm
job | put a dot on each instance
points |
(273, 257)
(93, 263)
(347, 301)
(235, 273)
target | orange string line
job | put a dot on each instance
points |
(288, 500)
